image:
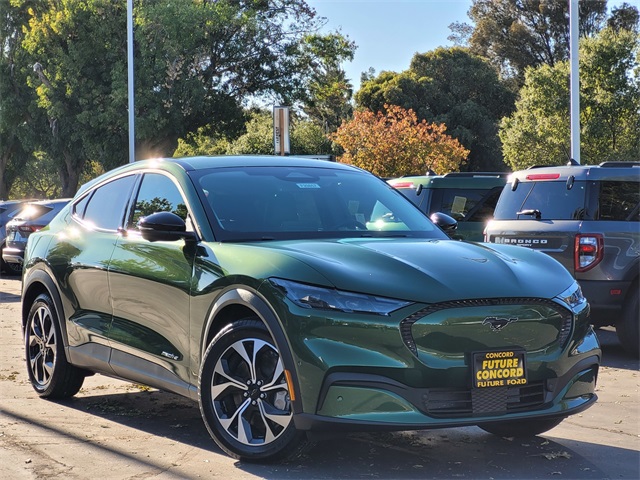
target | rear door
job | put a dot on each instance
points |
(81, 256)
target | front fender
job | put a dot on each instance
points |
(237, 301)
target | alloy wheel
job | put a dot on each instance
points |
(41, 346)
(249, 392)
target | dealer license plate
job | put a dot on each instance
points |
(504, 368)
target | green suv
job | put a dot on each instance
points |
(469, 198)
(587, 218)
(289, 296)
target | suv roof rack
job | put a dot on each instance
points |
(619, 164)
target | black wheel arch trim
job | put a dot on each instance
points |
(255, 302)
(42, 277)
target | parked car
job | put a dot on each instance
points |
(290, 296)
(587, 218)
(8, 209)
(32, 216)
(467, 197)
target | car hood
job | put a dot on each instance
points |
(415, 270)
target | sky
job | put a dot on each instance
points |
(389, 32)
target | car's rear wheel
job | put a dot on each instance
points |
(49, 372)
(244, 396)
(521, 428)
(628, 326)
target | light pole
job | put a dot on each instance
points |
(574, 80)
(132, 119)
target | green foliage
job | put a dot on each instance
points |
(39, 179)
(538, 132)
(516, 34)
(452, 87)
(196, 63)
(326, 93)
(306, 138)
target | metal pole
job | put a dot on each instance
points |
(132, 120)
(575, 80)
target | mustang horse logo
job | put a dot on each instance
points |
(498, 324)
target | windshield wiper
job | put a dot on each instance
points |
(532, 212)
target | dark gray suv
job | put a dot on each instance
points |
(586, 217)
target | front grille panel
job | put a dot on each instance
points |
(437, 320)
(481, 401)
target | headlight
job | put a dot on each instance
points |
(572, 296)
(309, 296)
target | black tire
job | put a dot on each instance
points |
(49, 372)
(521, 428)
(628, 326)
(244, 397)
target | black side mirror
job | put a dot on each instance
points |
(164, 226)
(447, 223)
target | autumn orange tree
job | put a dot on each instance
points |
(394, 143)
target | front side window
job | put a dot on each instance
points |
(92, 208)
(549, 200)
(157, 193)
(295, 202)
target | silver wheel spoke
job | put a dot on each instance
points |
(275, 384)
(282, 420)
(236, 417)
(217, 389)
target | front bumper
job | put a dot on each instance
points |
(372, 402)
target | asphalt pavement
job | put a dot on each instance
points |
(117, 430)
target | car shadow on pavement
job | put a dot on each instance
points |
(445, 453)
(613, 355)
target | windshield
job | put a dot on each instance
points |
(263, 203)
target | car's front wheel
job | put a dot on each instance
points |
(521, 428)
(244, 396)
(49, 372)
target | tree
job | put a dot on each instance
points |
(538, 132)
(326, 92)
(18, 118)
(516, 34)
(196, 62)
(396, 143)
(453, 87)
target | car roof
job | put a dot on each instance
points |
(218, 161)
(603, 171)
(452, 180)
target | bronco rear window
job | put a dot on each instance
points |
(553, 201)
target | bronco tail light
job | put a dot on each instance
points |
(589, 250)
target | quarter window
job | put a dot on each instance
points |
(619, 201)
(91, 209)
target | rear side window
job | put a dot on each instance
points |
(466, 204)
(619, 201)
(553, 201)
(104, 208)
(32, 211)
